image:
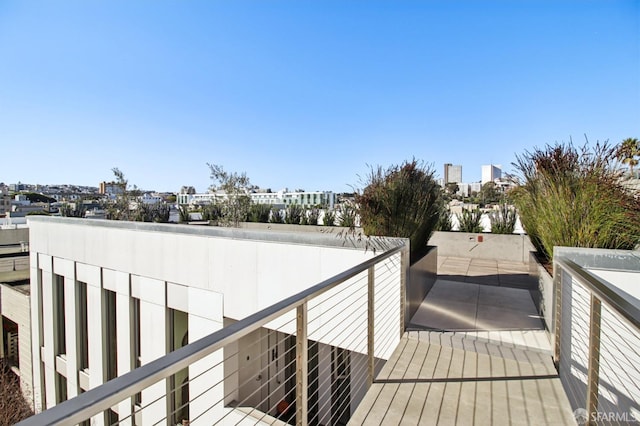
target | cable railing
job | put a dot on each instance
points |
(308, 359)
(597, 345)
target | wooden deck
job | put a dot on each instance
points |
(481, 358)
(480, 383)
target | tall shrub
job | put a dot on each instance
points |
(469, 221)
(329, 218)
(401, 201)
(259, 213)
(577, 198)
(293, 214)
(276, 216)
(444, 222)
(503, 220)
(183, 214)
(211, 212)
(310, 217)
(347, 217)
(13, 406)
(236, 186)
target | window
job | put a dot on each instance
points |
(179, 382)
(59, 315)
(82, 325)
(61, 388)
(110, 337)
(137, 352)
(10, 341)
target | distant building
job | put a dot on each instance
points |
(15, 311)
(110, 188)
(15, 187)
(491, 172)
(475, 187)
(5, 200)
(463, 189)
(148, 198)
(282, 198)
(452, 174)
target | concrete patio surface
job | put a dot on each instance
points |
(452, 305)
(487, 272)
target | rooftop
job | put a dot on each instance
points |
(476, 350)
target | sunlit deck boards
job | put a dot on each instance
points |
(484, 383)
(478, 355)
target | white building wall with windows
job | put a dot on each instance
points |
(281, 198)
(136, 276)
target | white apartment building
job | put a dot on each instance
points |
(475, 187)
(452, 174)
(463, 189)
(282, 198)
(109, 296)
(490, 173)
(149, 198)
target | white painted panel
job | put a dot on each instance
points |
(90, 274)
(96, 330)
(148, 289)
(125, 344)
(204, 374)
(63, 267)
(71, 334)
(178, 297)
(204, 303)
(153, 345)
(49, 339)
(45, 262)
(109, 279)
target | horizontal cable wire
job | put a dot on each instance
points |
(356, 371)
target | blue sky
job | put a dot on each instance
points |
(305, 94)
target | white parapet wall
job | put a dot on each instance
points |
(504, 247)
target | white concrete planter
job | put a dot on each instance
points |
(504, 247)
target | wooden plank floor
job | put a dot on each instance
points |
(473, 383)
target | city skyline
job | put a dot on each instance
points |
(306, 94)
(438, 173)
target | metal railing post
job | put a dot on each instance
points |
(405, 261)
(370, 323)
(557, 312)
(593, 376)
(302, 365)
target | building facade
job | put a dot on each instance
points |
(100, 309)
(109, 188)
(490, 173)
(452, 174)
(281, 199)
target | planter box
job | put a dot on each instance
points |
(422, 275)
